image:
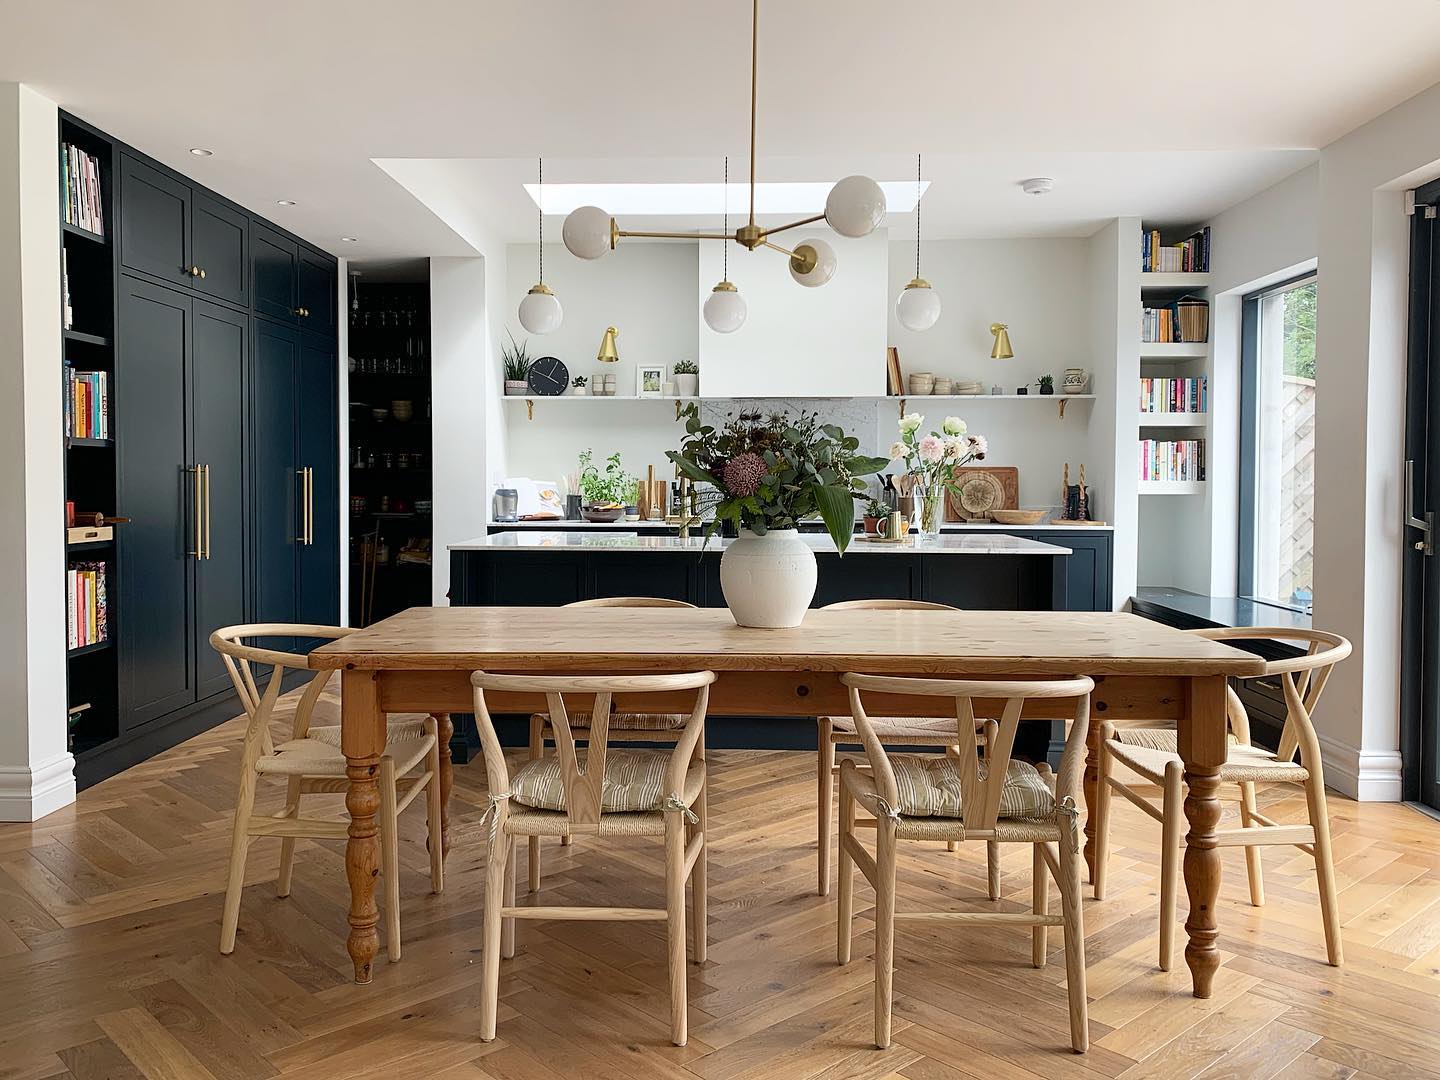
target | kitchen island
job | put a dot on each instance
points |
(992, 571)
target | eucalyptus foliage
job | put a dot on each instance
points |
(806, 469)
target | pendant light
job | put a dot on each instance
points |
(540, 311)
(725, 308)
(918, 306)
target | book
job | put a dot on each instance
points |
(1163, 459)
(1190, 256)
(81, 196)
(1184, 320)
(1188, 395)
(87, 404)
(88, 604)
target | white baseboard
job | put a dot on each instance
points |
(29, 793)
(1364, 775)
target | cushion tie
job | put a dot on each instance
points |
(674, 802)
(1066, 808)
(492, 814)
(882, 806)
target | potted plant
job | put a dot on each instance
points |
(686, 374)
(1046, 384)
(932, 459)
(578, 388)
(876, 513)
(764, 476)
(604, 491)
(516, 358)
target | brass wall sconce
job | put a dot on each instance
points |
(1002, 349)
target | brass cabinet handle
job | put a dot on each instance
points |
(304, 513)
(199, 550)
(302, 311)
(195, 271)
(310, 505)
(206, 474)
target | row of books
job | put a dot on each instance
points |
(1190, 256)
(87, 404)
(67, 312)
(1175, 395)
(1166, 460)
(80, 181)
(85, 591)
(1187, 319)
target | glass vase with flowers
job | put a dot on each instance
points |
(932, 460)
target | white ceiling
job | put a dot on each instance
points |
(1165, 110)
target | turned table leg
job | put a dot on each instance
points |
(446, 731)
(1088, 785)
(362, 739)
(1202, 737)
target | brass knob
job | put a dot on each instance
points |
(201, 271)
(193, 271)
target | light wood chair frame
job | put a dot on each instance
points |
(396, 792)
(682, 822)
(541, 731)
(827, 739)
(1302, 680)
(1056, 845)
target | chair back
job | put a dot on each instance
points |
(885, 604)
(1302, 679)
(631, 601)
(240, 660)
(583, 781)
(980, 789)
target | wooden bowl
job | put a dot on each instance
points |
(602, 515)
(1018, 517)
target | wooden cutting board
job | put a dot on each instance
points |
(982, 489)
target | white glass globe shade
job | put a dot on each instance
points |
(918, 307)
(724, 310)
(825, 263)
(540, 312)
(587, 232)
(855, 206)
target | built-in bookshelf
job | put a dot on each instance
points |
(391, 482)
(86, 163)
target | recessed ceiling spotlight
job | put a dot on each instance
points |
(285, 202)
(351, 239)
(200, 151)
(1037, 185)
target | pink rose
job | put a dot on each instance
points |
(932, 449)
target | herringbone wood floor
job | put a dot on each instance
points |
(109, 916)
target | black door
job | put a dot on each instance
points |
(220, 249)
(157, 492)
(317, 443)
(217, 365)
(1420, 665)
(275, 505)
(273, 258)
(154, 222)
(315, 291)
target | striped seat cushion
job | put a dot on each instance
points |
(634, 781)
(580, 721)
(929, 786)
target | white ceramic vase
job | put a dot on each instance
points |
(687, 385)
(769, 580)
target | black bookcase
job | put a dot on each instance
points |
(390, 450)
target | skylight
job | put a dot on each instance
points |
(676, 199)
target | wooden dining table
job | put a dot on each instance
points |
(421, 660)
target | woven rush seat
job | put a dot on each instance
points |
(318, 753)
(901, 727)
(1243, 763)
(1167, 739)
(634, 782)
(624, 721)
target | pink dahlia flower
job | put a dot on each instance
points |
(932, 449)
(743, 473)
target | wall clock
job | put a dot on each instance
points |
(548, 377)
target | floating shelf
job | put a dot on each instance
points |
(1172, 487)
(84, 338)
(1174, 281)
(1173, 419)
(72, 441)
(86, 234)
(1174, 350)
(86, 650)
(1060, 400)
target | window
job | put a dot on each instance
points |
(1277, 453)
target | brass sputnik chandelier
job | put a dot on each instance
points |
(854, 207)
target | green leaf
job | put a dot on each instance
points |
(833, 431)
(689, 468)
(864, 466)
(838, 512)
(692, 426)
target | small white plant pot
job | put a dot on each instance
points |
(687, 385)
(516, 387)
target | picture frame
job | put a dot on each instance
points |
(650, 380)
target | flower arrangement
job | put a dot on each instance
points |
(932, 459)
(611, 488)
(772, 472)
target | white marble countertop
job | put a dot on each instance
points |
(949, 526)
(946, 544)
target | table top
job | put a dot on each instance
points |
(559, 639)
(573, 540)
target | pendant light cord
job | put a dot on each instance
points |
(541, 200)
(725, 202)
(917, 215)
(754, 82)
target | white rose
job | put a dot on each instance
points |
(979, 446)
(910, 422)
(953, 426)
(955, 448)
(898, 450)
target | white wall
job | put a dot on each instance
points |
(36, 769)
(1360, 410)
